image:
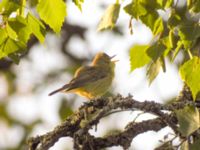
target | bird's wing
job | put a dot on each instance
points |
(59, 90)
(86, 75)
(83, 76)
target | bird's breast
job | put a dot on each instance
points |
(96, 88)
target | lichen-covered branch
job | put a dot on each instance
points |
(89, 114)
(123, 139)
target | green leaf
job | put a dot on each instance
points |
(190, 73)
(11, 41)
(172, 39)
(149, 19)
(189, 32)
(38, 29)
(145, 10)
(20, 26)
(153, 70)
(173, 20)
(78, 3)
(110, 17)
(150, 4)
(194, 5)
(3, 35)
(138, 56)
(189, 3)
(158, 26)
(7, 7)
(163, 64)
(52, 12)
(33, 3)
(165, 3)
(8, 47)
(156, 50)
(11, 33)
(178, 48)
(135, 9)
(166, 42)
(188, 119)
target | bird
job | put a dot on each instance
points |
(91, 81)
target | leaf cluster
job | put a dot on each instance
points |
(18, 23)
(180, 32)
(175, 30)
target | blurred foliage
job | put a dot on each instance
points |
(31, 31)
(188, 119)
(110, 17)
(65, 109)
(175, 30)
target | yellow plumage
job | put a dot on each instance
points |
(91, 81)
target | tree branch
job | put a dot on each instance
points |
(78, 125)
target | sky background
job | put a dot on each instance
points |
(27, 107)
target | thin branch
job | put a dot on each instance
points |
(124, 138)
(77, 126)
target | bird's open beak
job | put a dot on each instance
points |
(113, 60)
(112, 56)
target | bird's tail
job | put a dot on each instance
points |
(59, 90)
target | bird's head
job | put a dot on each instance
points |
(104, 60)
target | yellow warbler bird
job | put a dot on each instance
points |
(91, 81)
